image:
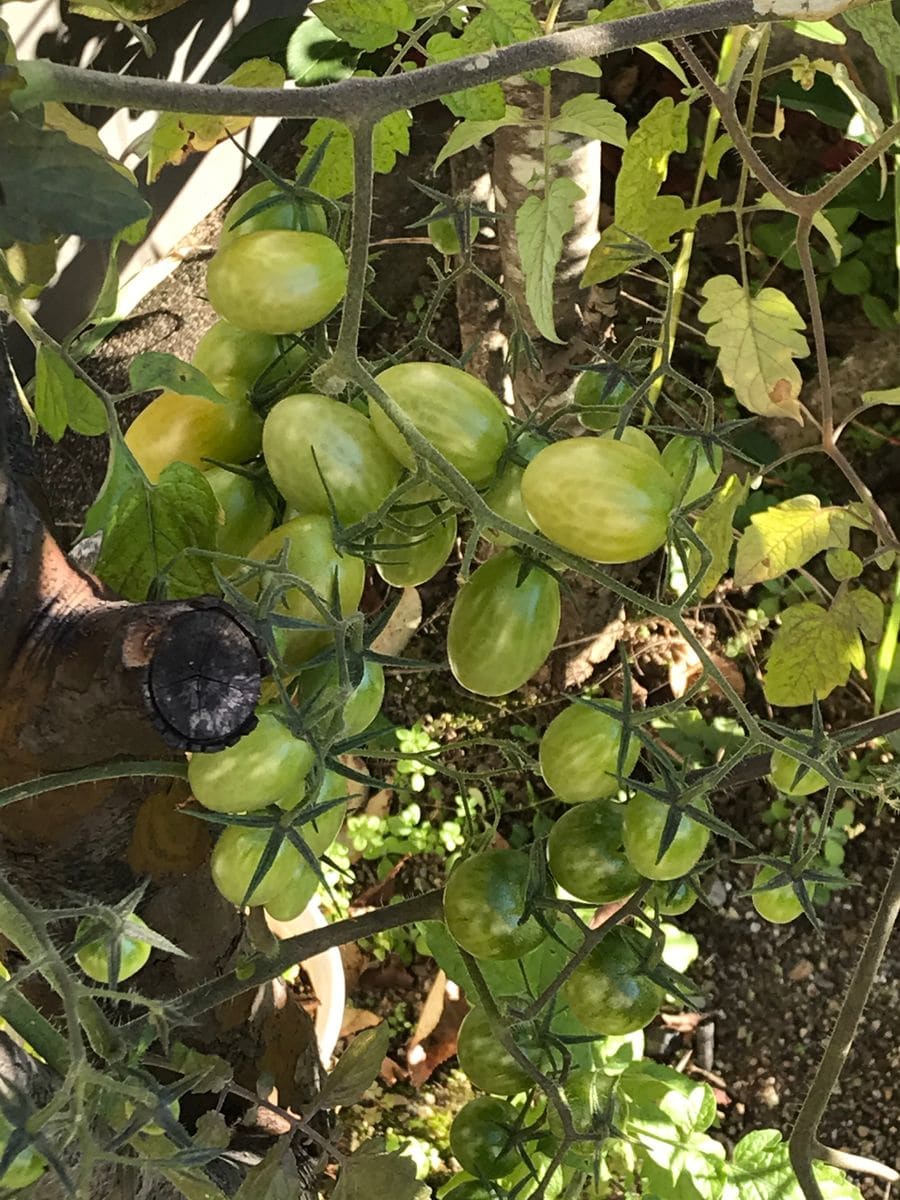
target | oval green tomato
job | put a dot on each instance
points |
(504, 496)
(482, 1137)
(236, 856)
(456, 413)
(671, 899)
(686, 461)
(26, 1168)
(779, 905)
(96, 957)
(484, 902)
(312, 557)
(588, 1093)
(363, 704)
(444, 234)
(586, 856)
(315, 447)
(603, 499)
(489, 1065)
(599, 395)
(502, 626)
(791, 776)
(413, 546)
(245, 514)
(190, 429)
(642, 827)
(285, 213)
(632, 436)
(226, 350)
(579, 754)
(607, 992)
(277, 280)
(266, 764)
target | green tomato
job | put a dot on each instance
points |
(605, 500)
(245, 515)
(671, 899)
(444, 234)
(642, 827)
(311, 556)
(315, 446)
(267, 764)
(579, 754)
(481, 1137)
(288, 214)
(190, 429)
(607, 992)
(504, 496)
(226, 350)
(600, 395)
(413, 547)
(586, 856)
(489, 1066)
(362, 706)
(26, 1168)
(636, 438)
(685, 460)
(502, 627)
(791, 776)
(277, 280)
(484, 902)
(588, 1093)
(456, 413)
(779, 905)
(96, 957)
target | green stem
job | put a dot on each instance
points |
(887, 647)
(66, 779)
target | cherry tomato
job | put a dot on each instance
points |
(642, 826)
(588, 1093)
(779, 905)
(288, 214)
(637, 438)
(444, 234)
(364, 702)
(481, 1137)
(488, 1064)
(311, 556)
(579, 754)
(95, 958)
(607, 992)
(266, 764)
(600, 394)
(26, 1168)
(277, 280)
(586, 856)
(245, 515)
(458, 415)
(504, 496)
(686, 461)
(791, 776)
(671, 899)
(225, 350)
(484, 901)
(189, 429)
(600, 498)
(413, 547)
(503, 625)
(308, 439)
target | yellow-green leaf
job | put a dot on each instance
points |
(843, 564)
(335, 174)
(881, 30)
(541, 224)
(714, 528)
(885, 396)
(812, 654)
(758, 339)
(365, 25)
(591, 117)
(861, 609)
(787, 535)
(472, 133)
(483, 103)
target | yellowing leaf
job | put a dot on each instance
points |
(472, 133)
(591, 117)
(885, 396)
(542, 223)
(714, 528)
(758, 339)
(335, 174)
(176, 135)
(787, 535)
(862, 609)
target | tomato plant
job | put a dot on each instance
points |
(276, 210)
(413, 547)
(482, 1137)
(600, 394)
(107, 952)
(604, 499)
(227, 352)
(693, 468)
(277, 280)
(318, 686)
(791, 776)
(246, 515)
(579, 754)
(586, 855)
(608, 992)
(779, 905)
(488, 1064)
(484, 905)
(504, 496)
(503, 625)
(455, 412)
(445, 235)
(267, 765)
(643, 825)
(26, 1168)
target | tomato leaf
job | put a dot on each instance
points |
(885, 396)
(275, 1178)
(714, 528)
(365, 25)
(61, 399)
(317, 55)
(761, 1170)
(155, 370)
(483, 103)
(335, 174)
(53, 185)
(472, 133)
(370, 1174)
(787, 535)
(542, 223)
(880, 29)
(145, 528)
(758, 338)
(357, 1068)
(591, 117)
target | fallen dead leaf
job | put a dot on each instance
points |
(355, 962)
(358, 1019)
(801, 970)
(382, 892)
(392, 1072)
(384, 976)
(682, 1022)
(435, 1036)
